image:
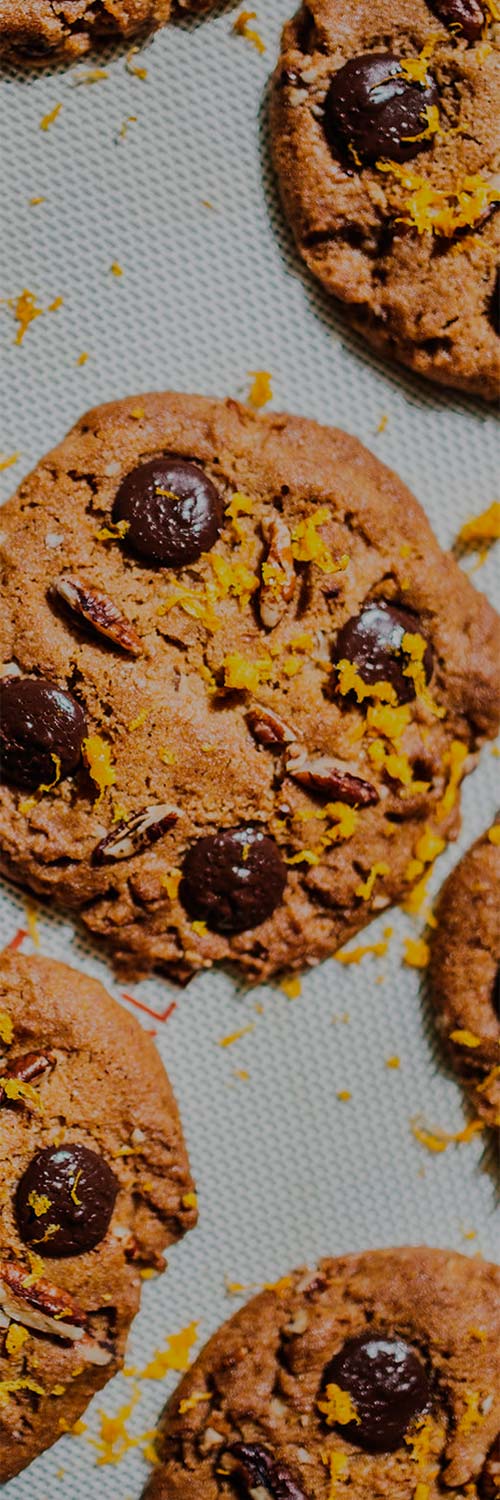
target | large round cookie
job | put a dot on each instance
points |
(375, 1377)
(34, 31)
(248, 683)
(385, 131)
(465, 972)
(95, 1183)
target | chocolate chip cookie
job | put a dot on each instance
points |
(377, 1375)
(465, 972)
(241, 684)
(385, 135)
(34, 31)
(95, 1183)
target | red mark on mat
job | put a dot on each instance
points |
(15, 942)
(163, 1015)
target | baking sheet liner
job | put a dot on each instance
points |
(184, 202)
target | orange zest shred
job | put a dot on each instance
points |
(9, 1387)
(438, 1140)
(465, 1038)
(137, 72)
(93, 75)
(176, 1356)
(261, 390)
(415, 69)
(97, 756)
(6, 1028)
(417, 953)
(114, 1441)
(199, 606)
(115, 268)
(337, 1464)
(303, 857)
(338, 1406)
(415, 647)
(479, 532)
(472, 1416)
(244, 675)
(9, 460)
(453, 762)
(365, 889)
(242, 28)
(16, 1337)
(234, 1036)
(189, 1402)
(291, 986)
(436, 211)
(48, 120)
(309, 546)
(349, 681)
(494, 834)
(113, 531)
(25, 311)
(17, 1092)
(354, 955)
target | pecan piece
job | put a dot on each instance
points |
(26, 1068)
(99, 612)
(330, 777)
(49, 1309)
(133, 834)
(258, 1469)
(279, 578)
(268, 728)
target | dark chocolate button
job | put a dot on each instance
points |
(259, 1470)
(233, 879)
(494, 305)
(375, 111)
(174, 512)
(388, 1385)
(464, 17)
(38, 720)
(65, 1200)
(372, 642)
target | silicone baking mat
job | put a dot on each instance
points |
(168, 179)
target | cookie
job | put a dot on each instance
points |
(36, 31)
(241, 685)
(465, 972)
(377, 1375)
(385, 137)
(95, 1183)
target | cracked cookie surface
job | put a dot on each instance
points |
(244, 754)
(465, 972)
(385, 137)
(36, 31)
(374, 1377)
(94, 1182)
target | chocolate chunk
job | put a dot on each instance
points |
(233, 879)
(388, 1384)
(373, 111)
(260, 1470)
(173, 510)
(464, 17)
(494, 305)
(80, 1191)
(372, 642)
(38, 720)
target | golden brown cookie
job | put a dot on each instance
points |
(95, 1183)
(377, 1375)
(36, 31)
(385, 135)
(465, 972)
(241, 683)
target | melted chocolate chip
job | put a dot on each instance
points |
(38, 720)
(233, 879)
(173, 510)
(373, 111)
(372, 642)
(259, 1470)
(494, 305)
(388, 1384)
(464, 17)
(80, 1190)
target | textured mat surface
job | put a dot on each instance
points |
(184, 203)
